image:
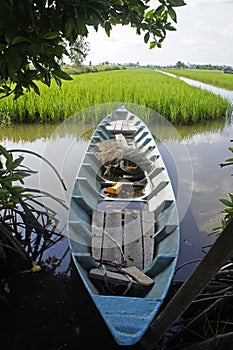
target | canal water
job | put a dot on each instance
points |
(51, 309)
(216, 90)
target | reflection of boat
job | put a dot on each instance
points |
(123, 225)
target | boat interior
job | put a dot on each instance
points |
(122, 210)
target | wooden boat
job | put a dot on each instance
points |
(123, 225)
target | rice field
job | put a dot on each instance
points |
(175, 100)
(216, 78)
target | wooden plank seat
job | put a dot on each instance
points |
(138, 279)
(123, 237)
(123, 126)
(102, 274)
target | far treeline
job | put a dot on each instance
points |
(180, 64)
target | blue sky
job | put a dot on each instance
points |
(204, 35)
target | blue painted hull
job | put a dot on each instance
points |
(127, 317)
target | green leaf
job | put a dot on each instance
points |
(18, 189)
(9, 164)
(28, 195)
(149, 14)
(13, 58)
(159, 11)
(107, 28)
(69, 27)
(58, 81)
(217, 228)
(5, 153)
(229, 160)
(20, 39)
(172, 14)
(6, 88)
(152, 44)
(169, 27)
(3, 191)
(18, 91)
(14, 177)
(16, 163)
(146, 37)
(35, 88)
(158, 33)
(50, 35)
(229, 210)
(9, 34)
(226, 202)
(176, 3)
(61, 75)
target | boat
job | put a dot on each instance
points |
(123, 225)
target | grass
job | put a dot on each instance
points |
(216, 78)
(92, 69)
(173, 99)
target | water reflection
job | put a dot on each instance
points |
(191, 154)
(57, 291)
(52, 311)
(23, 134)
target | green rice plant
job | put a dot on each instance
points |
(175, 100)
(212, 77)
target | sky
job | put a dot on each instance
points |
(204, 35)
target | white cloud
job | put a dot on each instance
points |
(204, 31)
(209, 2)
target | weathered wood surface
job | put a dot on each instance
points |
(111, 276)
(124, 126)
(123, 234)
(148, 229)
(138, 275)
(220, 252)
(133, 238)
(112, 237)
(97, 230)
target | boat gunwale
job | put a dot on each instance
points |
(166, 206)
